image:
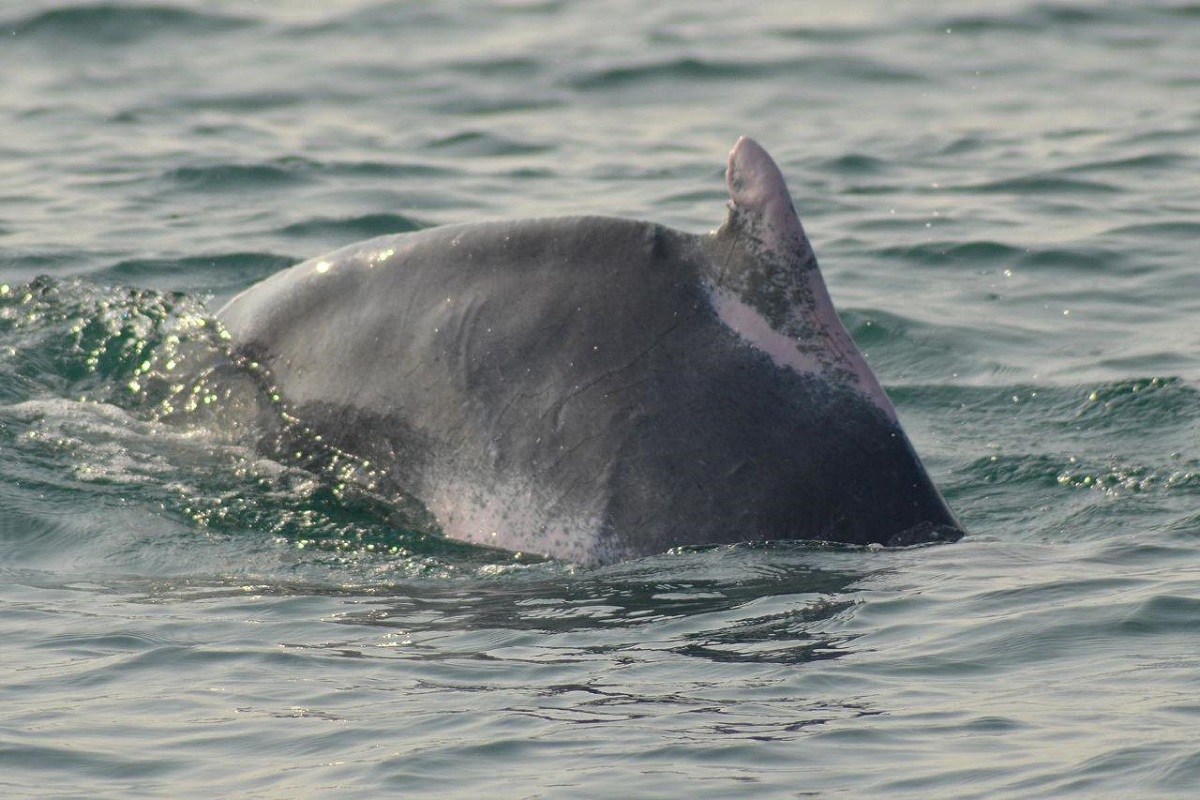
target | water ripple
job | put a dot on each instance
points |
(119, 24)
(1042, 184)
(349, 229)
(241, 177)
(696, 69)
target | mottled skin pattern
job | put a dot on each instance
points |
(764, 258)
(598, 389)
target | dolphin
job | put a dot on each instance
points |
(597, 389)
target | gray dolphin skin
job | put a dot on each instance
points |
(596, 389)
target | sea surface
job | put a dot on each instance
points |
(1005, 200)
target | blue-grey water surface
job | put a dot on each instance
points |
(1005, 202)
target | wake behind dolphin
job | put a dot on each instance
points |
(596, 389)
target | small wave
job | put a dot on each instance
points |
(1175, 229)
(1023, 470)
(825, 34)
(482, 143)
(386, 17)
(970, 143)
(1043, 184)
(1117, 478)
(117, 23)
(906, 351)
(1163, 614)
(965, 254)
(1079, 258)
(237, 101)
(856, 164)
(687, 70)
(1039, 17)
(236, 269)
(384, 169)
(774, 604)
(366, 226)
(293, 170)
(32, 262)
(241, 177)
(1158, 406)
(1147, 401)
(517, 67)
(477, 103)
(1142, 163)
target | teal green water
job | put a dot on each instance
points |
(1003, 197)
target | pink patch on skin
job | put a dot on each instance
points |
(755, 330)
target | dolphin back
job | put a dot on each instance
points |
(596, 389)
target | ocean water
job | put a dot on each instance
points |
(1005, 203)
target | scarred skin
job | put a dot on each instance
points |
(596, 389)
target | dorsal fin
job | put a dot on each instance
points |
(759, 202)
(757, 190)
(766, 285)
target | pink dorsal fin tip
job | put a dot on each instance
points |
(754, 180)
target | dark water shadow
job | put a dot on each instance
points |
(763, 603)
